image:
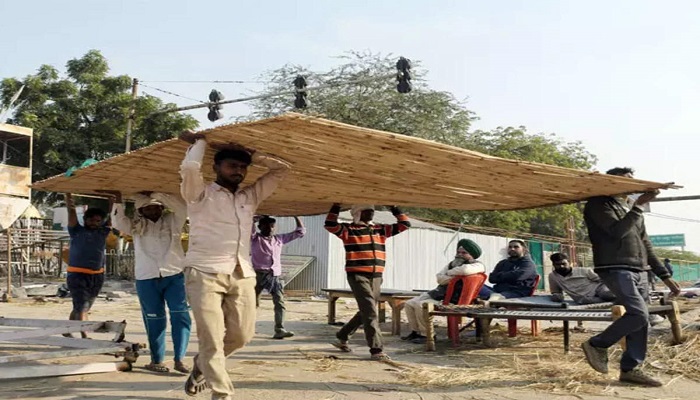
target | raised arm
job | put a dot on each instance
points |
(266, 184)
(601, 212)
(72, 215)
(192, 185)
(299, 232)
(401, 225)
(332, 225)
(120, 221)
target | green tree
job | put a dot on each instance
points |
(428, 114)
(84, 114)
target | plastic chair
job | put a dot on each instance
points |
(534, 325)
(471, 284)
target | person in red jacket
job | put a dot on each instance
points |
(365, 259)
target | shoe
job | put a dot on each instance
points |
(342, 345)
(655, 319)
(380, 357)
(282, 334)
(597, 358)
(637, 376)
(410, 336)
(420, 339)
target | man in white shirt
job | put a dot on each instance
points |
(220, 279)
(158, 267)
(464, 263)
(581, 284)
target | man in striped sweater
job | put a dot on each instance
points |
(365, 259)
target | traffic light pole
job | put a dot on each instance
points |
(267, 96)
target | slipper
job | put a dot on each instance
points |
(196, 383)
(157, 368)
(181, 367)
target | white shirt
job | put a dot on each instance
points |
(446, 274)
(220, 221)
(157, 245)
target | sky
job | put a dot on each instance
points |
(621, 77)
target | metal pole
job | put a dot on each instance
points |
(9, 264)
(265, 96)
(132, 111)
(676, 198)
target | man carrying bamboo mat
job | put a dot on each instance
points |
(621, 251)
(365, 258)
(86, 258)
(158, 269)
(219, 278)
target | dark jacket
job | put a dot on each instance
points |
(619, 237)
(514, 275)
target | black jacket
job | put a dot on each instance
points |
(619, 237)
(514, 275)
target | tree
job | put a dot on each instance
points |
(428, 114)
(84, 115)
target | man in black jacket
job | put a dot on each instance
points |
(513, 277)
(621, 251)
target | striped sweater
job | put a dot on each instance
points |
(365, 249)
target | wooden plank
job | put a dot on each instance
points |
(40, 371)
(45, 355)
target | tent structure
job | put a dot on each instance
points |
(336, 162)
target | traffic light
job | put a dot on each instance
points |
(215, 109)
(300, 92)
(403, 75)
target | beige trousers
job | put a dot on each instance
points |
(414, 312)
(224, 310)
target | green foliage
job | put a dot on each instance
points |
(433, 115)
(676, 254)
(84, 114)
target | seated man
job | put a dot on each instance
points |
(581, 284)
(513, 277)
(464, 263)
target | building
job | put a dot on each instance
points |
(413, 257)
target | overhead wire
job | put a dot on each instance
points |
(171, 93)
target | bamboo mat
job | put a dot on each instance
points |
(336, 162)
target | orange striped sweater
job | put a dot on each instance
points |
(365, 249)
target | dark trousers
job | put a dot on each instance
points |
(366, 290)
(630, 290)
(266, 280)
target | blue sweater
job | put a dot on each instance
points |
(514, 275)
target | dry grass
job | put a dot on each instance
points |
(539, 363)
(322, 362)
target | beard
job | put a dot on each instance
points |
(457, 262)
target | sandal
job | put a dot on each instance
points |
(181, 367)
(157, 368)
(196, 383)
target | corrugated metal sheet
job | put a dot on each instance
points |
(314, 243)
(413, 257)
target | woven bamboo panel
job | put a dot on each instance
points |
(335, 162)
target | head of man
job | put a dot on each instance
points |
(516, 248)
(560, 262)
(627, 172)
(231, 166)
(94, 218)
(362, 213)
(150, 208)
(468, 250)
(267, 226)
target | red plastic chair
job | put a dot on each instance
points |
(471, 284)
(534, 325)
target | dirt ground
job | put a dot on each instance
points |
(307, 367)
